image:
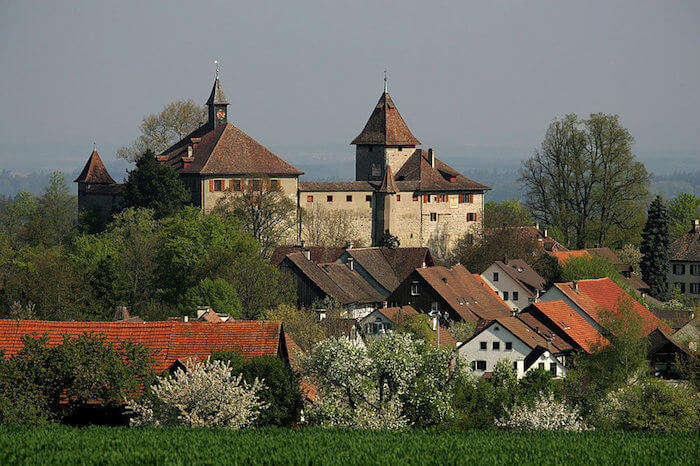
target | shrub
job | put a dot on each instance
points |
(473, 401)
(204, 395)
(544, 413)
(653, 405)
(282, 395)
(535, 382)
(217, 293)
(21, 401)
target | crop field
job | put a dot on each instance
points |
(121, 445)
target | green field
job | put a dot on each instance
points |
(115, 445)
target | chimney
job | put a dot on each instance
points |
(696, 225)
(431, 157)
(307, 253)
(351, 263)
(189, 150)
(544, 232)
(574, 285)
(186, 318)
(537, 225)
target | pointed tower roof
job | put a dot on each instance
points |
(386, 126)
(388, 185)
(217, 96)
(94, 171)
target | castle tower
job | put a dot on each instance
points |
(217, 105)
(385, 140)
(97, 190)
(381, 214)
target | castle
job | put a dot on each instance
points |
(399, 189)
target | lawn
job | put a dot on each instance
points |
(120, 445)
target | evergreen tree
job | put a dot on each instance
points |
(154, 186)
(654, 248)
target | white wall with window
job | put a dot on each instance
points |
(511, 291)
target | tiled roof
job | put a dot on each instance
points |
(318, 277)
(173, 341)
(94, 171)
(389, 267)
(675, 318)
(544, 329)
(686, 248)
(386, 126)
(217, 96)
(547, 242)
(441, 177)
(573, 324)
(225, 150)
(467, 296)
(339, 326)
(521, 330)
(564, 256)
(392, 313)
(521, 272)
(388, 185)
(602, 294)
(318, 253)
(352, 283)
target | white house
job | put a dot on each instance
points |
(514, 281)
(510, 338)
(381, 322)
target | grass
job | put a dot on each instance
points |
(121, 445)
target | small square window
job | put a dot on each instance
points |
(426, 198)
(414, 289)
(256, 185)
(398, 198)
(496, 345)
(415, 198)
(505, 296)
(309, 199)
(236, 185)
(515, 295)
(495, 276)
(368, 198)
(218, 185)
(553, 369)
(483, 345)
(433, 217)
(471, 217)
(481, 365)
(515, 365)
(348, 198)
(540, 366)
(329, 198)
(509, 345)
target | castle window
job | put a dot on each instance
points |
(329, 198)
(275, 185)
(256, 185)
(398, 198)
(368, 198)
(218, 185)
(236, 185)
(471, 217)
(433, 217)
(348, 198)
(309, 199)
(426, 198)
(400, 148)
(415, 198)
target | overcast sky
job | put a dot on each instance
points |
(302, 75)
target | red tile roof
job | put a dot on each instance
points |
(603, 294)
(225, 150)
(94, 171)
(440, 177)
(571, 323)
(564, 256)
(318, 253)
(386, 126)
(173, 341)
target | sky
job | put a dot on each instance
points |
(475, 80)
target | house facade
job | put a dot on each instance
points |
(684, 263)
(511, 339)
(515, 282)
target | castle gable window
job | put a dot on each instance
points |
(368, 198)
(329, 198)
(309, 199)
(218, 185)
(348, 198)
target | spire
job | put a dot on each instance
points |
(385, 126)
(217, 103)
(94, 171)
(386, 80)
(217, 96)
(388, 184)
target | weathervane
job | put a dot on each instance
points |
(216, 62)
(385, 80)
(94, 145)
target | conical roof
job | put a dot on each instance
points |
(386, 126)
(217, 96)
(94, 171)
(388, 185)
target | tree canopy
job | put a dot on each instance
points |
(654, 249)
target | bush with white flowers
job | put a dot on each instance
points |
(395, 382)
(203, 395)
(545, 413)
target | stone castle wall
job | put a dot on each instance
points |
(358, 208)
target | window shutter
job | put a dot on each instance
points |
(211, 186)
(471, 198)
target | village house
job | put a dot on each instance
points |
(599, 299)
(515, 281)
(343, 327)
(454, 291)
(174, 342)
(684, 263)
(663, 354)
(382, 322)
(512, 339)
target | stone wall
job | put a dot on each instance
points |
(209, 197)
(379, 156)
(352, 203)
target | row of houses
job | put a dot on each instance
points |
(517, 316)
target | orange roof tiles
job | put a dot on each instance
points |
(94, 171)
(172, 340)
(564, 256)
(602, 294)
(571, 323)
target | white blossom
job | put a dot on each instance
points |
(545, 413)
(204, 395)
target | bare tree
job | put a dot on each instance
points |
(265, 212)
(161, 130)
(586, 182)
(326, 227)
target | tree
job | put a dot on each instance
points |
(478, 254)
(509, 212)
(219, 294)
(586, 182)
(682, 210)
(161, 130)
(327, 227)
(265, 213)
(154, 186)
(300, 324)
(654, 249)
(580, 268)
(389, 241)
(630, 255)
